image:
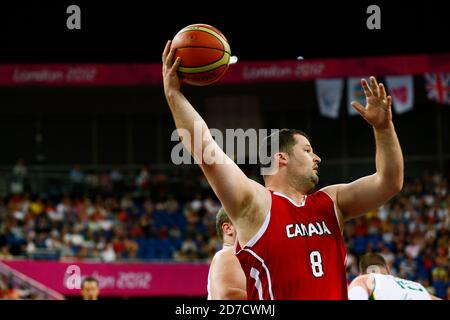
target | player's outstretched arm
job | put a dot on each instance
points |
(237, 193)
(372, 191)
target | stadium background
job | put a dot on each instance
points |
(99, 185)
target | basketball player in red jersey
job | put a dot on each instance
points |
(226, 279)
(290, 241)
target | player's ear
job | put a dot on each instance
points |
(226, 228)
(282, 157)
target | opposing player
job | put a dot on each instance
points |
(290, 242)
(376, 283)
(226, 279)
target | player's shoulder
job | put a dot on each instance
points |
(361, 277)
(384, 277)
(223, 254)
(326, 195)
(330, 191)
(364, 280)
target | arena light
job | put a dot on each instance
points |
(233, 59)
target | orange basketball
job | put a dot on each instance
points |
(204, 52)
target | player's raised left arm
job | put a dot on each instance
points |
(370, 192)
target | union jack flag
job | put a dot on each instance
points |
(438, 87)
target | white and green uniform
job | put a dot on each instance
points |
(388, 287)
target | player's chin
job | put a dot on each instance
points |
(315, 179)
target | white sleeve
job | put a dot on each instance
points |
(358, 293)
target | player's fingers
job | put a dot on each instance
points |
(382, 91)
(166, 51)
(169, 58)
(374, 86)
(359, 107)
(389, 99)
(366, 88)
(175, 65)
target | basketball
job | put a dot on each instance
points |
(204, 52)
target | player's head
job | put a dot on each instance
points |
(373, 263)
(294, 159)
(90, 288)
(224, 227)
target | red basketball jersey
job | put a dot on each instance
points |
(298, 253)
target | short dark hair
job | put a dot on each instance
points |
(221, 218)
(286, 143)
(371, 259)
(88, 279)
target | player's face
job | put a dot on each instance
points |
(90, 290)
(304, 163)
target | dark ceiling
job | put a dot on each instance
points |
(127, 31)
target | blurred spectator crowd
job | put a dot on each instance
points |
(163, 217)
(171, 216)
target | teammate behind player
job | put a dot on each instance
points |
(377, 283)
(290, 242)
(226, 279)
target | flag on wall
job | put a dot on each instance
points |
(437, 86)
(355, 92)
(329, 95)
(401, 89)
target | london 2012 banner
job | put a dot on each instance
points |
(118, 279)
(243, 72)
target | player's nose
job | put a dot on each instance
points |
(317, 159)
